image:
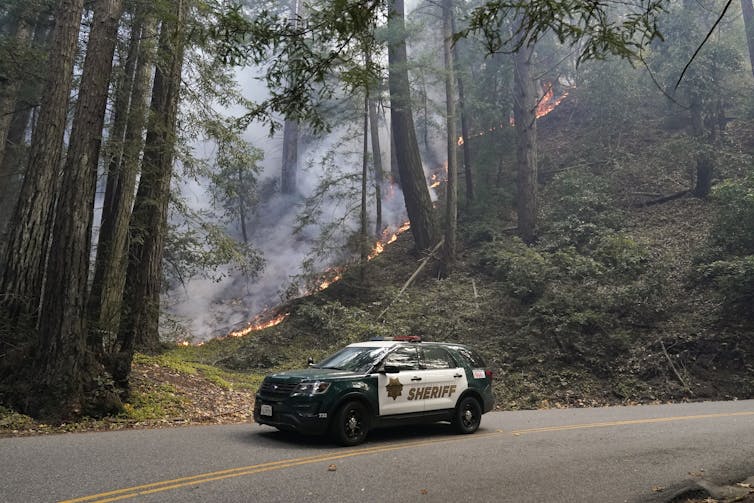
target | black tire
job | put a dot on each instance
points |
(468, 415)
(351, 424)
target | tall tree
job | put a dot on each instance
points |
(412, 179)
(24, 254)
(465, 134)
(374, 131)
(451, 188)
(141, 300)
(288, 183)
(11, 78)
(61, 363)
(106, 292)
(748, 10)
(524, 114)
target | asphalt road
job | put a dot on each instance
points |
(613, 454)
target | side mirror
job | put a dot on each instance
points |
(391, 369)
(310, 361)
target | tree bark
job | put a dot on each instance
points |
(364, 233)
(524, 113)
(290, 157)
(451, 192)
(748, 10)
(141, 302)
(23, 258)
(288, 183)
(705, 164)
(413, 182)
(379, 177)
(9, 89)
(106, 293)
(466, 146)
(61, 362)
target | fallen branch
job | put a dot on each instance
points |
(664, 199)
(424, 262)
(675, 370)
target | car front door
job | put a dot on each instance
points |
(396, 389)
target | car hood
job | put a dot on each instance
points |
(313, 374)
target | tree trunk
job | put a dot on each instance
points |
(242, 207)
(748, 9)
(290, 157)
(376, 155)
(379, 178)
(705, 164)
(413, 182)
(466, 146)
(61, 361)
(524, 114)
(288, 183)
(363, 231)
(106, 293)
(451, 203)
(9, 90)
(23, 258)
(141, 302)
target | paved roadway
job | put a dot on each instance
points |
(612, 454)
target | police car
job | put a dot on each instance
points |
(379, 383)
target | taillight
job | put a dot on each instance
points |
(488, 374)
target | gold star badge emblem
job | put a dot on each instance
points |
(394, 388)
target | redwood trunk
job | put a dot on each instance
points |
(23, 258)
(110, 268)
(524, 113)
(61, 362)
(748, 10)
(451, 202)
(413, 182)
(141, 302)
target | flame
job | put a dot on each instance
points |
(388, 238)
(257, 324)
(548, 103)
(460, 141)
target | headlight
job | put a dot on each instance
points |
(311, 388)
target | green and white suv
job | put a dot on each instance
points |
(379, 383)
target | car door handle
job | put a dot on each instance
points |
(416, 378)
(458, 375)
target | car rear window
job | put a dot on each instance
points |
(473, 358)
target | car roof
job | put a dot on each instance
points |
(389, 344)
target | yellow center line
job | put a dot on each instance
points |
(166, 485)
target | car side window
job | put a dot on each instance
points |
(434, 358)
(404, 358)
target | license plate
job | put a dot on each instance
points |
(265, 410)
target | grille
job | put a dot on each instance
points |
(276, 389)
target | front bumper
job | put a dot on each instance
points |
(301, 416)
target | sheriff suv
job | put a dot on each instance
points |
(379, 383)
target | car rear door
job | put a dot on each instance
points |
(443, 380)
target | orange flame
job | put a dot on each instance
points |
(548, 103)
(388, 238)
(460, 141)
(256, 324)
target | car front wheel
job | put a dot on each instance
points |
(468, 415)
(351, 424)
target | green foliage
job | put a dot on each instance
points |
(160, 402)
(524, 270)
(578, 210)
(597, 29)
(12, 420)
(727, 262)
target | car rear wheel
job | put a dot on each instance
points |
(468, 415)
(351, 424)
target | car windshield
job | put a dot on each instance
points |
(353, 358)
